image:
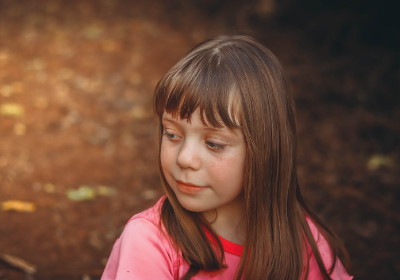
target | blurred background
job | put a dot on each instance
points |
(78, 135)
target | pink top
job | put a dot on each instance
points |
(144, 252)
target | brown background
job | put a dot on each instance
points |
(82, 75)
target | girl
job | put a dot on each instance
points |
(233, 208)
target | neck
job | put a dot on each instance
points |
(228, 221)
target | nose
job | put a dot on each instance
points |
(188, 155)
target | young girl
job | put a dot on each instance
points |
(233, 207)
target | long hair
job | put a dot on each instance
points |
(238, 83)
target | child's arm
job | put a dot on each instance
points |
(142, 252)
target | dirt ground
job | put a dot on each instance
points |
(78, 136)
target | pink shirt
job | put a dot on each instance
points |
(144, 252)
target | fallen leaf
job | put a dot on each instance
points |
(82, 193)
(49, 188)
(11, 110)
(18, 263)
(90, 192)
(17, 205)
(378, 160)
(105, 190)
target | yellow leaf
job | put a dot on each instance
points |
(106, 190)
(82, 193)
(11, 109)
(377, 161)
(49, 188)
(18, 205)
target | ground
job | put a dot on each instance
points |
(78, 136)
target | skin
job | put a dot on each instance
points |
(204, 166)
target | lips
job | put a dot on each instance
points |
(188, 187)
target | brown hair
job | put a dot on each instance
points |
(237, 82)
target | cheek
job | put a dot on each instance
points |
(164, 156)
(168, 155)
(228, 170)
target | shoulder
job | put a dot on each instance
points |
(323, 245)
(146, 226)
(143, 251)
(324, 248)
(318, 237)
(145, 229)
(151, 214)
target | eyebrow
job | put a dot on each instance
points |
(164, 118)
(210, 128)
(168, 119)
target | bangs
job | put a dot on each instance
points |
(200, 83)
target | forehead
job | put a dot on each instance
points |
(194, 119)
(196, 123)
(210, 116)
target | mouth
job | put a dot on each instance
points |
(188, 187)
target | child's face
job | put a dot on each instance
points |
(203, 165)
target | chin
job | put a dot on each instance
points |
(193, 207)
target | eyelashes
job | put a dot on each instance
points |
(170, 136)
(215, 146)
(211, 145)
